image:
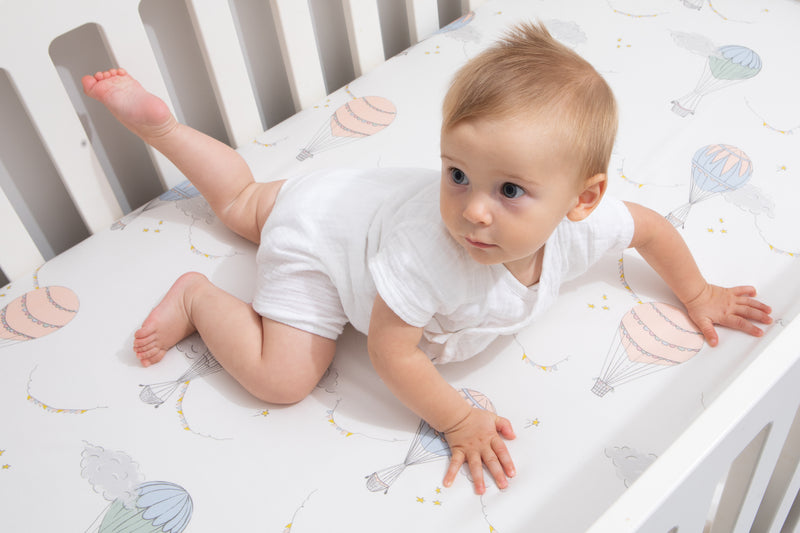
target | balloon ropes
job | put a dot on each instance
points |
(716, 168)
(428, 445)
(730, 64)
(355, 119)
(651, 336)
(157, 393)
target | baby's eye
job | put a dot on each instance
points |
(510, 190)
(458, 176)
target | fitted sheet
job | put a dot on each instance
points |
(92, 441)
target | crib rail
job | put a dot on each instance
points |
(735, 469)
(50, 96)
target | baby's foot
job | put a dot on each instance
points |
(143, 113)
(166, 325)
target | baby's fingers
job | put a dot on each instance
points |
(758, 311)
(475, 462)
(504, 463)
(742, 324)
(743, 290)
(706, 326)
(456, 461)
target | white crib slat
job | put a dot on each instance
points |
(20, 254)
(62, 134)
(783, 487)
(216, 32)
(299, 48)
(364, 33)
(130, 47)
(471, 5)
(423, 19)
(24, 42)
(767, 388)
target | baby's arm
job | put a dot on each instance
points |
(474, 435)
(663, 248)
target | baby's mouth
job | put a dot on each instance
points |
(478, 244)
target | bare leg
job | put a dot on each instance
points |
(274, 362)
(217, 170)
(245, 344)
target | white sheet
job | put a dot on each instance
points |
(77, 408)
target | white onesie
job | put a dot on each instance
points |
(337, 238)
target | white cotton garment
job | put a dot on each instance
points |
(312, 259)
(337, 238)
(430, 281)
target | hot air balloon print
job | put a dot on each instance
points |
(727, 65)
(355, 119)
(428, 445)
(458, 23)
(716, 168)
(651, 336)
(157, 393)
(182, 191)
(37, 313)
(160, 507)
(136, 506)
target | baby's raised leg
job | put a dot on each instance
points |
(273, 361)
(217, 170)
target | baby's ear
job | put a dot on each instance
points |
(594, 189)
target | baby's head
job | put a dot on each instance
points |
(526, 139)
(529, 75)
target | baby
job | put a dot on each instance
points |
(431, 265)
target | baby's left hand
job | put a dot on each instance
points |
(732, 307)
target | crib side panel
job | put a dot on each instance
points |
(25, 35)
(364, 33)
(748, 429)
(423, 18)
(298, 44)
(214, 25)
(15, 237)
(101, 187)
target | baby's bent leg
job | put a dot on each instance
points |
(273, 361)
(216, 169)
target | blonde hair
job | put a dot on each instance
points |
(530, 74)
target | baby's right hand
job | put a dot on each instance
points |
(476, 440)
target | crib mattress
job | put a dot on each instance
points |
(91, 441)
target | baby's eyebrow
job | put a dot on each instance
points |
(523, 179)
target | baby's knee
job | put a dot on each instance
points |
(281, 392)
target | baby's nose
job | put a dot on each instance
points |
(478, 211)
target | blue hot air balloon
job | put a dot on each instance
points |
(716, 168)
(428, 445)
(728, 65)
(160, 507)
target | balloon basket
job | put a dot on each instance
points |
(381, 481)
(676, 221)
(600, 387)
(681, 111)
(304, 154)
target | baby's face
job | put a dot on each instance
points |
(506, 185)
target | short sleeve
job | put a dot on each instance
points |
(416, 271)
(608, 229)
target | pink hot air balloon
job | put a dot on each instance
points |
(37, 313)
(651, 337)
(356, 119)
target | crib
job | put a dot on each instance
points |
(96, 226)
